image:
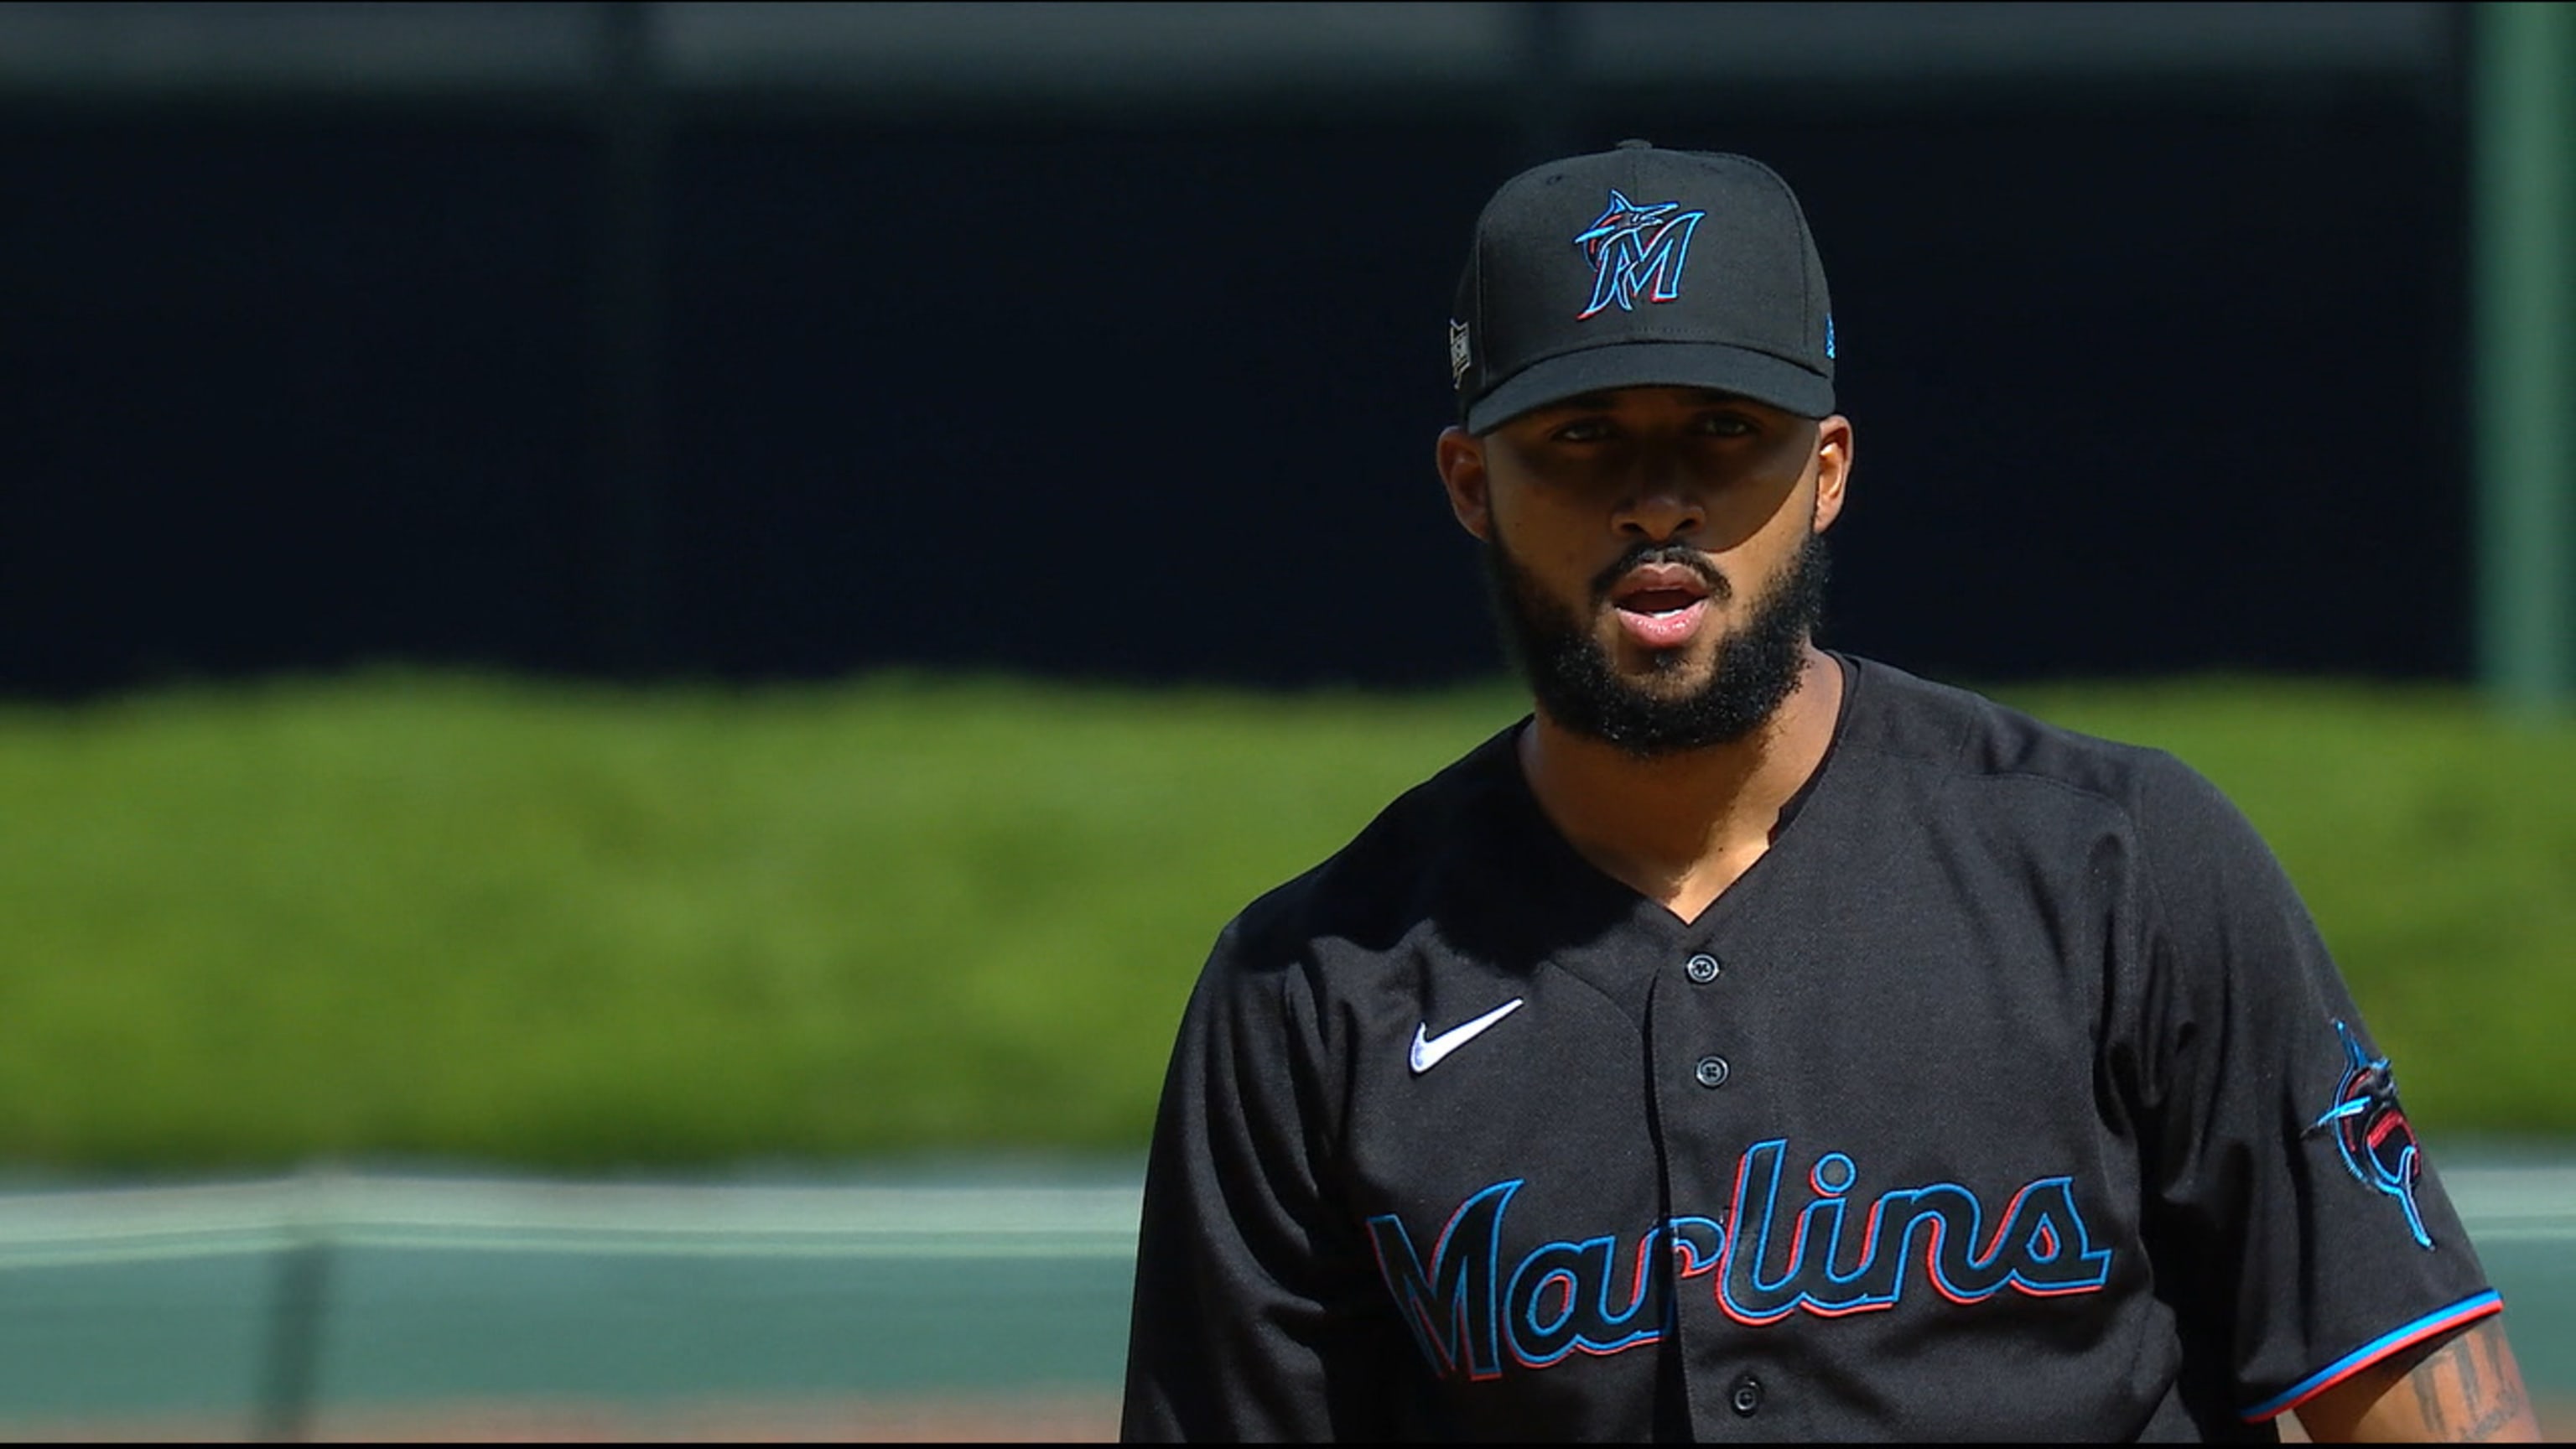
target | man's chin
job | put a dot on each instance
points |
(1662, 673)
(1671, 680)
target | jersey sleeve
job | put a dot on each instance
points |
(2293, 1217)
(1241, 1327)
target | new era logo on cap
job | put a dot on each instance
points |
(1636, 267)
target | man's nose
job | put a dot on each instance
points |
(1662, 509)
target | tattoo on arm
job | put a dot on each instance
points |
(2459, 1388)
(2469, 1388)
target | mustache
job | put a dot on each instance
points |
(1646, 551)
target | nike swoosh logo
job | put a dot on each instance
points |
(1428, 1051)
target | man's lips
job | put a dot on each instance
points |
(1661, 605)
(1659, 581)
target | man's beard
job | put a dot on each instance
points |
(1572, 677)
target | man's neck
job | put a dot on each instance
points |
(1679, 829)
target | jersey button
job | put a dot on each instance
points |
(1746, 1398)
(1701, 968)
(1711, 1071)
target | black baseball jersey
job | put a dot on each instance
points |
(2010, 1094)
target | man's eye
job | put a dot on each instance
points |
(1588, 430)
(1727, 425)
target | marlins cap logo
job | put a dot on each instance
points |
(2371, 1131)
(1636, 252)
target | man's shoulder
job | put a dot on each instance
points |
(2040, 790)
(1376, 889)
(1955, 734)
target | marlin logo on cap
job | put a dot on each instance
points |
(1636, 251)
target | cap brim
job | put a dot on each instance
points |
(1757, 375)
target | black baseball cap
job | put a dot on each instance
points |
(1635, 267)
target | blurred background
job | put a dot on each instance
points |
(641, 643)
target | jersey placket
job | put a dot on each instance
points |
(1708, 1097)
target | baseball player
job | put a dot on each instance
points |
(1758, 1041)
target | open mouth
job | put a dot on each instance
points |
(1660, 605)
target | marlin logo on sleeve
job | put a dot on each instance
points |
(2371, 1130)
(1637, 253)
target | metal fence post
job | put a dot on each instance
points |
(2523, 215)
(290, 1373)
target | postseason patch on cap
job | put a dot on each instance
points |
(1459, 356)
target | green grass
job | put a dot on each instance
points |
(402, 914)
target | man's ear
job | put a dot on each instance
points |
(1461, 460)
(1833, 468)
